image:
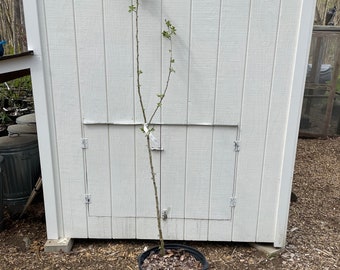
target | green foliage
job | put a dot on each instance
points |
(132, 8)
(171, 30)
(18, 90)
(23, 83)
(4, 118)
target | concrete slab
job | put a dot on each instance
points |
(268, 249)
(57, 245)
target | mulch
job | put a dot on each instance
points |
(313, 235)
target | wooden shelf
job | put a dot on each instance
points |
(326, 28)
(12, 56)
(8, 76)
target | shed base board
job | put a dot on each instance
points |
(56, 245)
(268, 249)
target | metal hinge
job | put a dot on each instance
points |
(84, 143)
(237, 146)
(87, 198)
(232, 202)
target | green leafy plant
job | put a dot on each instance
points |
(168, 34)
(4, 118)
(21, 83)
(15, 91)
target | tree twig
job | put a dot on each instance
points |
(167, 34)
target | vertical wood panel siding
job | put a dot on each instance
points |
(91, 57)
(304, 28)
(194, 153)
(64, 83)
(175, 105)
(203, 60)
(262, 38)
(92, 81)
(277, 120)
(151, 25)
(98, 170)
(175, 111)
(123, 177)
(119, 57)
(231, 62)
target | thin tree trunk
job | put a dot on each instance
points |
(20, 24)
(325, 11)
(13, 26)
(318, 20)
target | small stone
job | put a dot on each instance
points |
(251, 261)
(27, 242)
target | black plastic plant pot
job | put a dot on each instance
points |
(194, 252)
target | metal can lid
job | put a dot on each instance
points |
(22, 129)
(26, 119)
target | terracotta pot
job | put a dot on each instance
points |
(198, 255)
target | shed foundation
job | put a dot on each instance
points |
(56, 245)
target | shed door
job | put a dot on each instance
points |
(195, 166)
(197, 175)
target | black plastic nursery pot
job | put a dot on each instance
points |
(194, 252)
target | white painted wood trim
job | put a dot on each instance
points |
(44, 117)
(278, 110)
(64, 84)
(302, 53)
(258, 76)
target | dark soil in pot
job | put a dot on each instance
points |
(176, 256)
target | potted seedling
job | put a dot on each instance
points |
(164, 256)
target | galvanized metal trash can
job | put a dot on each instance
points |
(1, 199)
(21, 169)
(22, 129)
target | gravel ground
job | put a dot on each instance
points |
(313, 239)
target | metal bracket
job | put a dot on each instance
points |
(84, 143)
(164, 214)
(157, 148)
(88, 198)
(237, 146)
(232, 202)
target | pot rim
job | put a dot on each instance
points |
(197, 254)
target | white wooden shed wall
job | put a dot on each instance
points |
(240, 69)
